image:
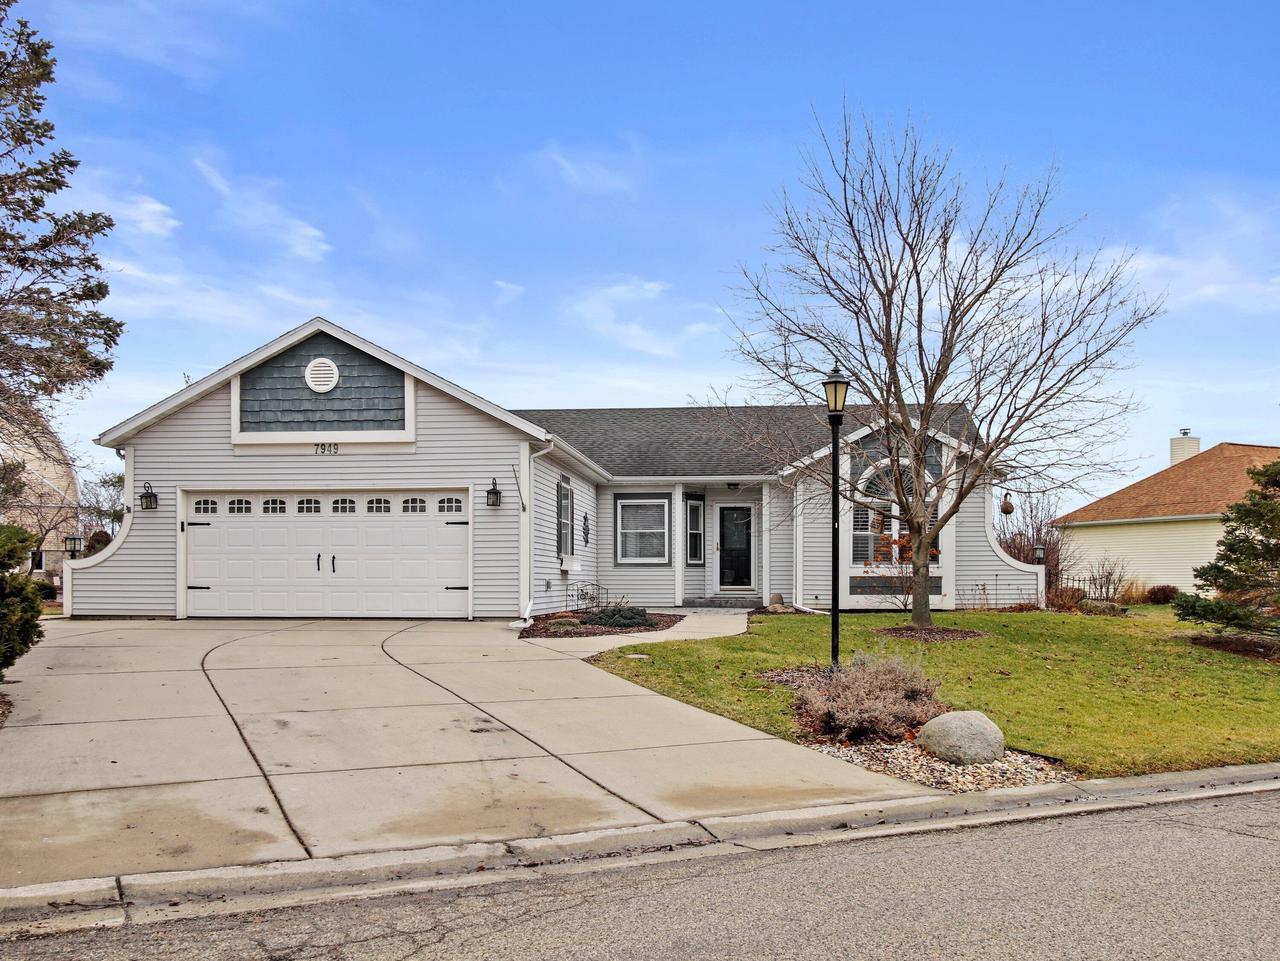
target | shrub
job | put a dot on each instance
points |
(1162, 594)
(46, 590)
(617, 615)
(1064, 598)
(563, 625)
(19, 599)
(869, 697)
(96, 542)
(1133, 592)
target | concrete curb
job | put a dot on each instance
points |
(142, 898)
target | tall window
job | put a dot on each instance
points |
(695, 511)
(642, 532)
(564, 517)
(877, 527)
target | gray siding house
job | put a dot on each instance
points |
(323, 476)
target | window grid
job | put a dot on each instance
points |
(274, 505)
(308, 505)
(239, 505)
(206, 505)
(695, 553)
(413, 505)
(449, 505)
(378, 505)
(344, 505)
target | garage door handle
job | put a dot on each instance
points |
(333, 563)
(317, 562)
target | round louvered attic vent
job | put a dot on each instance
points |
(321, 375)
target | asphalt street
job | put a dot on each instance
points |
(1193, 880)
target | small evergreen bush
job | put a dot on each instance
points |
(46, 590)
(618, 615)
(19, 598)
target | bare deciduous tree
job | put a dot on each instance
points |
(955, 313)
(1031, 523)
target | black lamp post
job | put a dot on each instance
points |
(72, 544)
(837, 389)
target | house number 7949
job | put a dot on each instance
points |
(326, 448)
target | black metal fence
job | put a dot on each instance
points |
(585, 596)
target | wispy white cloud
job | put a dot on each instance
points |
(249, 206)
(136, 214)
(508, 293)
(638, 315)
(594, 172)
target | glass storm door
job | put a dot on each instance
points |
(735, 547)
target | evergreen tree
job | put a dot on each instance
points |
(53, 338)
(1245, 576)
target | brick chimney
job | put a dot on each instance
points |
(1183, 446)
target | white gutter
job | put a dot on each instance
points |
(1141, 520)
(527, 618)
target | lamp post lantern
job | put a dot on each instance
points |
(1038, 553)
(836, 388)
(72, 545)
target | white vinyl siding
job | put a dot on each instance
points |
(651, 585)
(814, 512)
(549, 581)
(1161, 552)
(457, 446)
(781, 544)
(985, 575)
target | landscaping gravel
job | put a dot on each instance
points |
(903, 759)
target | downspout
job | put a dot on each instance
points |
(527, 618)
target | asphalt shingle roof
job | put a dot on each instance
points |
(692, 441)
(1207, 483)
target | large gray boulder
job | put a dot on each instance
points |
(963, 737)
(1104, 608)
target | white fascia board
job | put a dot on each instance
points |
(1140, 520)
(579, 458)
(117, 435)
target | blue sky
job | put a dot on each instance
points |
(549, 203)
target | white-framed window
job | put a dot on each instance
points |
(378, 505)
(564, 517)
(449, 505)
(308, 505)
(205, 505)
(239, 505)
(695, 512)
(413, 505)
(274, 505)
(877, 527)
(37, 561)
(343, 505)
(642, 526)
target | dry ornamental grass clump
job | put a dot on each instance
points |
(868, 697)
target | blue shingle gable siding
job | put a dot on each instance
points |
(369, 395)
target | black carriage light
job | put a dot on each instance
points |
(1038, 552)
(493, 496)
(1006, 505)
(72, 544)
(148, 500)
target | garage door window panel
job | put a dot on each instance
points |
(205, 505)
(308, 505)
(275, 505)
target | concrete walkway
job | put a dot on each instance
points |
(161, 745)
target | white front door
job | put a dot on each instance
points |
(327, 554)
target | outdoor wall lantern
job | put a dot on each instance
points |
(1006, 505)
(493, 496)
(148, 500)
(73, 544)
(1038, 553)
(836, 388)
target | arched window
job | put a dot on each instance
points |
(344, 505)
(308, 505)
(449, 505)
(877, 524)
(239, 505)
(413, 505)
(378, 505)
(206, 505)
(274, 505)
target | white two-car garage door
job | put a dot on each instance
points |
(327, 554)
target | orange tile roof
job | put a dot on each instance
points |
(1207, 483)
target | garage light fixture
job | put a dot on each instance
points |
(493, 496)
(148, 500)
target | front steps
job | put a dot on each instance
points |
(742, 601)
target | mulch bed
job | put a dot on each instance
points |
(539, 627)
(1246, 645)
(928, 634)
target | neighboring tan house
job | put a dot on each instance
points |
(1168, 524)
(322, 475)
(49, 503)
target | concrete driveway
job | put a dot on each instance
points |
(158, 745)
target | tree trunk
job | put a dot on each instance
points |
(920, 613)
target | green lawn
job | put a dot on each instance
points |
(1106, 695)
